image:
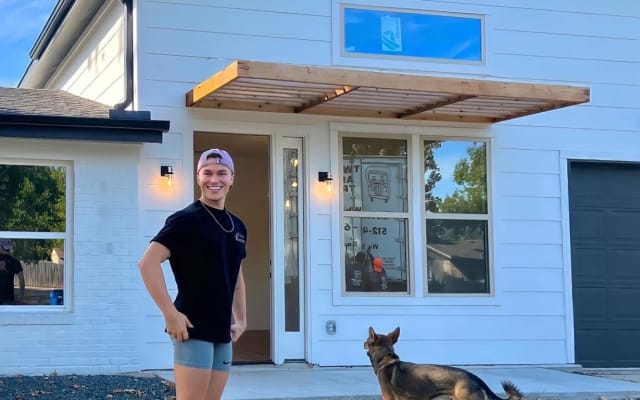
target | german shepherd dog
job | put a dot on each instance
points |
(401, 380)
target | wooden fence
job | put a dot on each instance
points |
(43, 274)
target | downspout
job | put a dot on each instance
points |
(128, 56)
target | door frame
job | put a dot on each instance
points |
(288, 345)
(566, 156)
(275, 131)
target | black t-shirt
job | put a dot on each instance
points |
(205, 261)
(9, 266)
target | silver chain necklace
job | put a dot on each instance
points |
(218, 222)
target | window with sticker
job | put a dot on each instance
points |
(33, 233)
(375, 215)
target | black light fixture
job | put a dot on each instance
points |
(167, 172)
(324, 176)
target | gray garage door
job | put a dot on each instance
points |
(604, 201)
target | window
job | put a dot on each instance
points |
(455, 182)
(383, 32)
(375, 214)
(33, 224)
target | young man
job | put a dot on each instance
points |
(9, 268)
(205, 246)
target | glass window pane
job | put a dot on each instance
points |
(32, 198)
(457, 259)
(374, 174)
(384, 32)
(375, 254)
(31, 271)
(455, 177)
(291, 241)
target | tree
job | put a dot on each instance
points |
(32, 199)
(432, 202)
(471, 174)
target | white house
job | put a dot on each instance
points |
(480, 152)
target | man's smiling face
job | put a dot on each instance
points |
(215, 181)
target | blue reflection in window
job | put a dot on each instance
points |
(383, 32)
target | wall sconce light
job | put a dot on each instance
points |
(326, 178)
(167, 172)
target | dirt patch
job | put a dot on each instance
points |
(86, 387)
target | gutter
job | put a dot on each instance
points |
(65, 25)
(128, 69)
(58, 15)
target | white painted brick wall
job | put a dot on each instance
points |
(100, 331)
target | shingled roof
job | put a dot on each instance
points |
(49, 102)
(57, 114)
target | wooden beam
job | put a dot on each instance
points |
(213, 83)
(433, 106)
(326, 98)
(244, 106)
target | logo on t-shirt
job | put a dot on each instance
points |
(240, 237)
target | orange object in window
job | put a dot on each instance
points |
(378, 264)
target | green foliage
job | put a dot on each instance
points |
(32, 199)
(432, 202)
(471, 174)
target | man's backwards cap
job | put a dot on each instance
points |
(215, 156)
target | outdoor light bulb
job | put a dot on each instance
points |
(170, 180)
(294, 162)
(329, 185)
(287, 203)
(294, 184)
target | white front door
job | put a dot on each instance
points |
(288, 266)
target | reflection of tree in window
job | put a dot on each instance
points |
(374, 147)
(431, 201)
(457, 260)
(470, 173)
(32, 199)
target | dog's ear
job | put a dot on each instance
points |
(372, 333)
(394, 335)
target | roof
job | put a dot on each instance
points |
(285, 88)
(51, 102)
(56, 114)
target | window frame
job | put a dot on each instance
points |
(488, 217)
(443, 65)
(416, 133)
(8, 313)
(406, 216)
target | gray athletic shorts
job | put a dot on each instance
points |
(196, 353)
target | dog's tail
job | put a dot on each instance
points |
(512, 391)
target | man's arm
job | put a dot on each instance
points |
(239, 309)
(151, 271)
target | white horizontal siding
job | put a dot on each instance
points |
(579, 19)
(211, 19)
(94, 68)
(524, 255)
(586, 43)
(231, 47)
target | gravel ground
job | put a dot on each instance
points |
(86, 387)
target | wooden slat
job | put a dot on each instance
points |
(298, 73)
(210, 85)
(260, 86)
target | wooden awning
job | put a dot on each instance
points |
(284, 88)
